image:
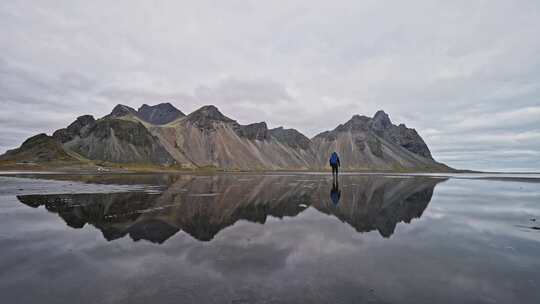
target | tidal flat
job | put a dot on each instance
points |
(269, 238)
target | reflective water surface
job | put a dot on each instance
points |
(268, 238)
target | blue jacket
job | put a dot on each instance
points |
(334, 160)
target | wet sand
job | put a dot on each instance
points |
(272, 237)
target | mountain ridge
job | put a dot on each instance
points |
(164, 136)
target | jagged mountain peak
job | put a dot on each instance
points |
(357, 122)
(159, 105)
(261, 125)
(208, 114)
(164, 106)
(32, 141)
(80, 125)
(159, 114)
(359, 117)
(258, 131)
(206, 137)
(381, 121)
(122, 110)
(291, 137)
(372, 132)
(38, 148)
(85, 119)
(380, 114)
(210, 110)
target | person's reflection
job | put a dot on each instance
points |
(335, 193)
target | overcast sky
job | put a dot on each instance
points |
(465, 74)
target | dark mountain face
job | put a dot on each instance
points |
(256, 131)
(356, 123)
(159, 114)
(113, 139)
(207, 116)
(380, 121)
(38, 148)
(79, 127)
(291, 137)
(401, 135)
(120, 141)
(376, 141)
(408, 139)
(122, 110)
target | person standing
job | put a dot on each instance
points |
(335, 164)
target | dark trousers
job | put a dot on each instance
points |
(335, 170)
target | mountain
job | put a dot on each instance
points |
(39, 148)
(291, 138)
(159, 114)
(376, 144)
(162, 135)
(114, 140)
(207, 138)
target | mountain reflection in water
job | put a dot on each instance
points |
(202, 206)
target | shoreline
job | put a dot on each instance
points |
(486, 176)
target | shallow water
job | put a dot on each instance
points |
(268, 238)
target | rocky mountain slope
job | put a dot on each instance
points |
(159, 114)
(114, 140)
(39, 148)
(208, 138)
(366, 143)
(163, 135)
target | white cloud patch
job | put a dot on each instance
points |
(465, 74)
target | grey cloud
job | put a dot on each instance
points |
(243, 99)
(260, 259)
(232, 90)
(136, 98)
(459, 72)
